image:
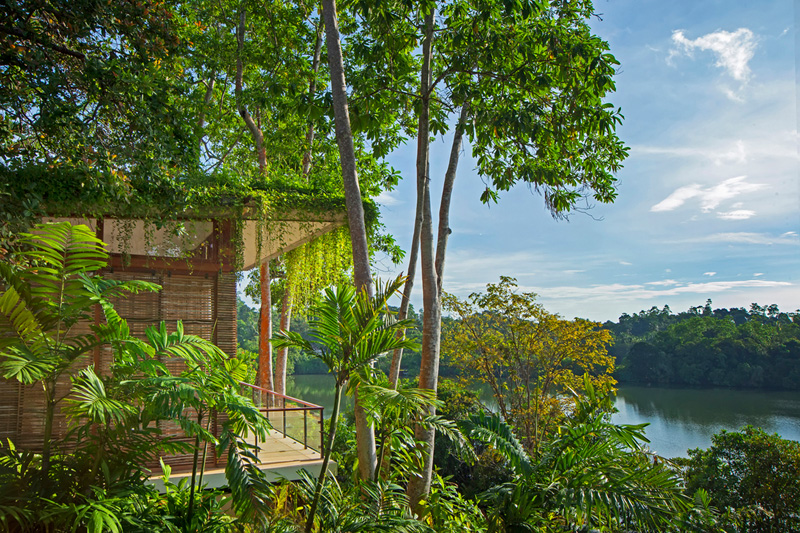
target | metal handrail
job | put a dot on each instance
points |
(305, 407)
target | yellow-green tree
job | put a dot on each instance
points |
(528, 356)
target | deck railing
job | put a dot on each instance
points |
(290, 416)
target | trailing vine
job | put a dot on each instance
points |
(175, 205)
(323, 262)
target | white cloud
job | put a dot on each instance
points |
(736, 152)
(678, 198)
(749, 238)
(578, 301)
(642, 292)
(709, 273)
(663, 282)
(733, 50)
(757, 274)
(710, 197)
(739, 214)
(625, 263)
(387, 199)
(573, 271)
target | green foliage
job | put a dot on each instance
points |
(759, 348)
(755, 474)
(530, 358)
(89, 88)
(41, 305)
(368, 506)
(348, 330)
(447, 511)
(323, 262)
(533, 77)
(591, 474)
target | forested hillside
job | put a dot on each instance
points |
(757, 347)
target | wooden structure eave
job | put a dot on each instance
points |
(210, 240)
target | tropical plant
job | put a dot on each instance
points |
(752, 473)
(94, 474)
(390, 409)
(348, 330)
(43, 304)
(529, 357)
(593, 474)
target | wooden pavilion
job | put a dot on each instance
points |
(197, 273)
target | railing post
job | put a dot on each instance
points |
(305, 429)
(322, 431)
(284, 417)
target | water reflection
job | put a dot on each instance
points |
(318, 389)
(679, 418)
(687, 418)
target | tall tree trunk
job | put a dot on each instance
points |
(201, 121)
(365, 433)
(312, 88)
(397, 356)
(447, 194)
(432, 275)
(255, 131)
(419, 486)
(281, 356)
(265, 332)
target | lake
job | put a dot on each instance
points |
(679, 418)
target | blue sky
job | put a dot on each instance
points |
(709, 199)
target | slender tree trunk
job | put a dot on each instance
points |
(258, 136)
(447, 194)
(201, 121)
(323, 471)
(365, 433)
(265, 332)
(419, 486)
(195, 458)
(205, 453)
(281, 356)
(432, 275)
(311, 90)
(397, 356)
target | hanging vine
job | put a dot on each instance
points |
(317, 264)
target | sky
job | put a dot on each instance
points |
(708, 201)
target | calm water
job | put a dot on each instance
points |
(679, 418)
(686, 418)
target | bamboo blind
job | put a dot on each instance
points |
(204, 302)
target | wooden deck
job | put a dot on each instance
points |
(279, 458)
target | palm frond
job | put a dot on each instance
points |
(89, 399)
(494, 431)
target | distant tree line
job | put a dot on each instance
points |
(757, 347)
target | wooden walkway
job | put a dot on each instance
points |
(279, 458)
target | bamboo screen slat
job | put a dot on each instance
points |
(205, 303)
(22, 408)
